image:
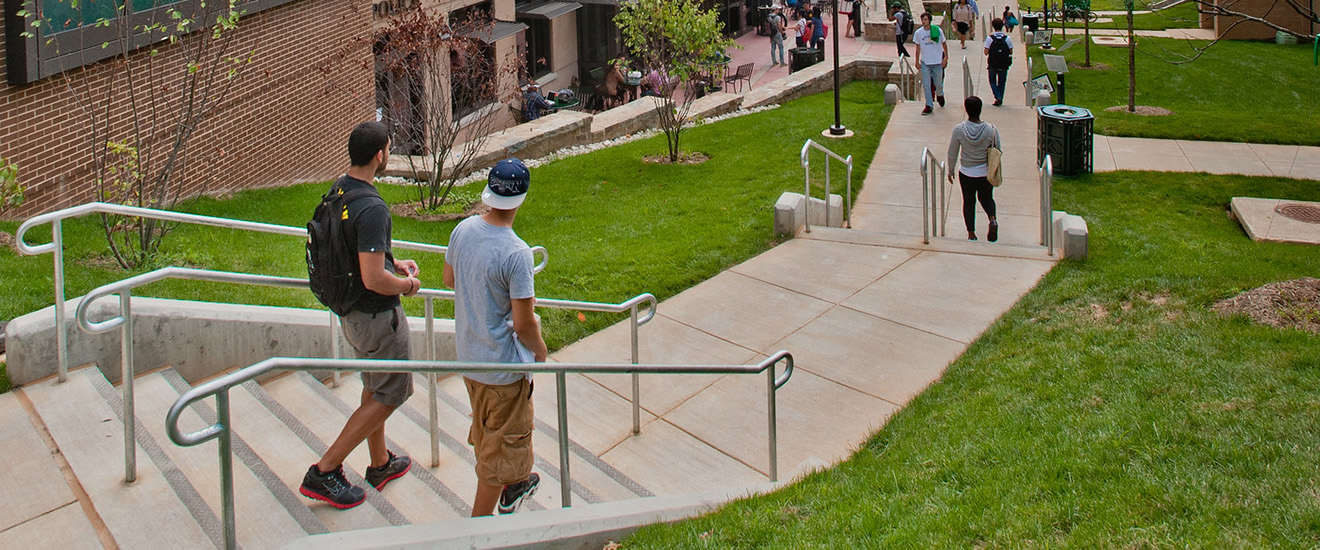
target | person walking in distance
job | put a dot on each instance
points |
(902, 27)
(803, 28)
(999, 57)
(376, 328)
(933, 55)
(962, 19)
(972, 140)
(777, 35)
(490, 270)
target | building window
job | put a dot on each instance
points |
(538, 47)
(69, 37)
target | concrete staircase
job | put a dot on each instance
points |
(64, 474)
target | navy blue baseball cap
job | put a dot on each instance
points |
(506, 187)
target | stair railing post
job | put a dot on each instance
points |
(566, 481)
(334, 346)
(226, 471)
(430, 383)
(925, 197)
(827, 192)
(770, 406)
(126, 380)
(636, 379)
(61, 337)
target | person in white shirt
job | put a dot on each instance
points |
(962, 19)
(933, 54)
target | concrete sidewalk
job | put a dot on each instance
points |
(871, 315)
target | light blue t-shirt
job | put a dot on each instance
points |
(491, 267)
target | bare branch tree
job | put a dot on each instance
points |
(144, 106)
(441, 90)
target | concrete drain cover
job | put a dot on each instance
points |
(1300, 212)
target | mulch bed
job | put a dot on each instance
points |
(683, 158)
(1143, 110)
(410, 210)
(1285, 304)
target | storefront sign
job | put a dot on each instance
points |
(386, 8)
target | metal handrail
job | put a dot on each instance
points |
(56, 247)
(930, 181)
(1047, 203)
(806, 177)
(969, 88)
(222, 428)
(908, 79)
(127, 364)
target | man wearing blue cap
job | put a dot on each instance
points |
(490, 269)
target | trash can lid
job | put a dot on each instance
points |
(1064, 112)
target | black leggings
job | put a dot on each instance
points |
(972, 188)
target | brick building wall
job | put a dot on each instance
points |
(286, 121)
(1279, 13)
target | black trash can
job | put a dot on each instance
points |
(1065, 135)
(801, 58)
(1030, 21)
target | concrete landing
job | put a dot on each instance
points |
(1278, 220)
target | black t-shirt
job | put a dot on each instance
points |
(371, 227)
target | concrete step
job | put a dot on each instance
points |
(955, 242)
(406, 503)
(267, 512)
(287, 454)
(86, 428)
(593, 480)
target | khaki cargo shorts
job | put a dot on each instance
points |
(501, 432)
(383, 335)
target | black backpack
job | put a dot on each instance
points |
(332, 265)
(908, 26)
(1001, 56)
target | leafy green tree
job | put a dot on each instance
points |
(683, 43)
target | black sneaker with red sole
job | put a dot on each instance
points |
(393, 469)
(332, 488)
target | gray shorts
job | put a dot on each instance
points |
(383, 335)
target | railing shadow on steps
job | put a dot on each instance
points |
(220, 387)
(124, 321)
(56, 247)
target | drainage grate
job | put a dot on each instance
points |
(1300, 212)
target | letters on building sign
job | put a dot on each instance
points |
(386, 8)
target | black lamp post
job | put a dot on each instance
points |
(837, 129)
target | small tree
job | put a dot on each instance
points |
(680, 41)
(141, 157)
(455, 88)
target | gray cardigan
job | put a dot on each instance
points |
(973, 139)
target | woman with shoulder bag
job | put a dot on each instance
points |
(977, 143)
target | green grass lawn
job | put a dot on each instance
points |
(1182, 16)
(615, 226)
(1238, 91)
(1110, 408)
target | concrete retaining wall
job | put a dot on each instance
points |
(199, 339)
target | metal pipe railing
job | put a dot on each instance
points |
(969, 86)
(806, 178)
(222, 428)
(908, 79)
(1047, 203)
(124, 321)
(56, 247)
(932, 195)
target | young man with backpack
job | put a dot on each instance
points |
(491, 271)
(363, 289)
(777, 35)
(903, 27)
(999, 57)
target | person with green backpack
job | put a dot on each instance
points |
(933, 55)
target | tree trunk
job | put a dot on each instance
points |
(1132, 62)
(1086, 37)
